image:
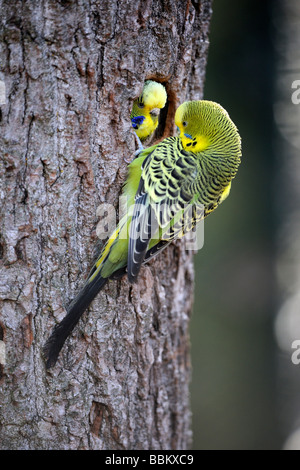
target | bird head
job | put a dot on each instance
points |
(146, 108)
(206, 126)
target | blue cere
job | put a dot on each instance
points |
(189, 136)
(137, 121)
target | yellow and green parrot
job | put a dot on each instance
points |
(169, 188)
(146, 109)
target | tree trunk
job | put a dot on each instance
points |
(69, 72)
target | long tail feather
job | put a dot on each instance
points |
(60, 333)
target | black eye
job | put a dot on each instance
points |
(184, 123)
(141, 105)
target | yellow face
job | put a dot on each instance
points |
(145, 111)
(148, 125)
(192, 143)
(192, 139)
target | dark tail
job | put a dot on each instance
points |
(75, 310)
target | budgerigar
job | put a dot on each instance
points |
(170, 187)
(146, 108)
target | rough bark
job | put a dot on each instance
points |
(71, 71)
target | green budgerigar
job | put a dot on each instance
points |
(146, 108)
(169, 188)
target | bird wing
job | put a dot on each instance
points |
(143, 223)
(161, 201)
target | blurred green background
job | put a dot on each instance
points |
(235, 396)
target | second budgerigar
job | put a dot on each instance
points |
(146, 109)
